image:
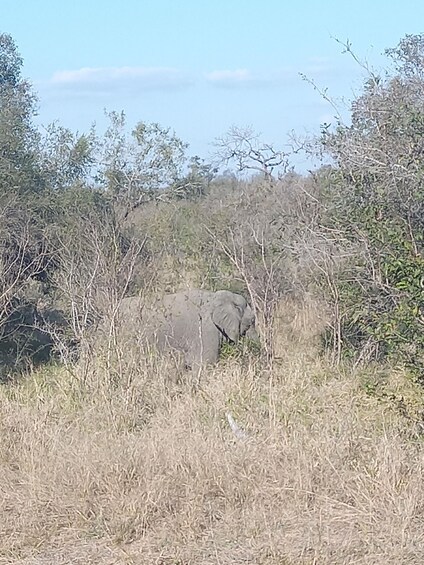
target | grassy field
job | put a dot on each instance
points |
(118, 462)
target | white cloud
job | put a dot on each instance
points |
(229, 77)
(120, 78)
(240, 78)
(244, 78)
(131, 80)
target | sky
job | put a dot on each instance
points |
(202, 66)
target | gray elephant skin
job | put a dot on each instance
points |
(194, 322)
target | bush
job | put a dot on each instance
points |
(376, 199)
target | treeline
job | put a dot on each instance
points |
(87, 219)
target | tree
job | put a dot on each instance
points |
(61, 241)
(197, 180)
(135, 167)
(377, 197)
(22, 254)
(67, 159)
(243, 147)
(18, 136)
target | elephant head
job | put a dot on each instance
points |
(233, 316)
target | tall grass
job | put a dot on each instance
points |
(124, 463)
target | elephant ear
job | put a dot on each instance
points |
(226, 316)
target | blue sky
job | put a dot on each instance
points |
(201, 66)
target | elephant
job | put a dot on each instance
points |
(194, 322)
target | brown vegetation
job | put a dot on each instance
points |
(123, 466)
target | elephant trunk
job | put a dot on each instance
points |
(253, 335)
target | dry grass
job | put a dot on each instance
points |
(139, 470)
(120, 465)
(299, 325)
